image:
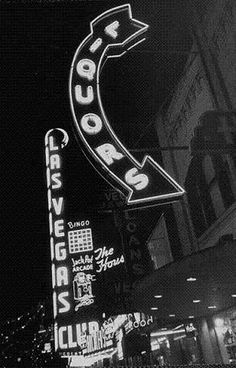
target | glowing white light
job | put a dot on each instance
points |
(47, 155)
(91, 124)
(62, 276)
(109, 153)
(48, 177)
(171, 315)
(54, 297)
(56, 181)
(212, 307)
(55, 162)
(154, 308)
(166, 332)
(158, 296)
(50, 223)
(53, 276)
(139, 181)
(56, 336)
(52, 146)
(86, 68)
(61, 331)
(58, 205)
(49, 199)
(191, 279)
(95, 45)
(60, 251)
(84, 100)
(52, 248)
(111, 29)
(190, 316)
(219, 322)
(196, 301)
(59, 228)
(178, 327)
(62, 299)
(233, 295)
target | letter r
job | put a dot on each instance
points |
(109, 153)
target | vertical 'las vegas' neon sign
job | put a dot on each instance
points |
(55, 141)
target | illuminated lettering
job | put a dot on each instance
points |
(102, 259)
(56, 181)
(95, 45)
(61, 342)
(60, 251)
(62, 276)
(109, 153)
(91, 124)
(93, 327)
(59, 228)
(139, 181)
(86, 68)
(52, 146)
(143, 322)
(57, 205)
(78, 224)
(105, 263)
(84, 100)
(55, 162)
(62, 299)
(103, 252)
(110, 30)
(71, 343)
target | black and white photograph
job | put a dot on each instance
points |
(118, 184)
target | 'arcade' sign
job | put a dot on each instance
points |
(112, 34)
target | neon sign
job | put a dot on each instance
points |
(55, 141)
(87, 337)
(103, 261)
(112, 34)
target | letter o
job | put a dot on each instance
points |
(86, 68)
(136, 324)
(142, 323)
(91, 124)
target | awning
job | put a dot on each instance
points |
(197, 285)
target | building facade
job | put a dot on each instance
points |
(197, 132)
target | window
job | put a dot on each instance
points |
(199, 197)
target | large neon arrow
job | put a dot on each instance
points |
(112, 34)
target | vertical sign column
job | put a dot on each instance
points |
(55, 141)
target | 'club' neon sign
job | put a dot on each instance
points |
(112, 34)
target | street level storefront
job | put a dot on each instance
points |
(200, 288)
(177, 345)
(218, 337)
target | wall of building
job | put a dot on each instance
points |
(207, 84)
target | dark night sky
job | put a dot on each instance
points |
(39, 41)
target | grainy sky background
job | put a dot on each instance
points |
(39, 41)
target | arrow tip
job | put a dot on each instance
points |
(161, 186)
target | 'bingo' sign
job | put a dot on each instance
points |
(112, 34)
